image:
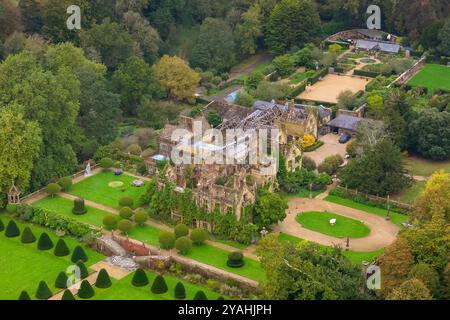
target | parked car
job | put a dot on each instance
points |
(345, 137)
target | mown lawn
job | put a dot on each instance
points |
(96, 189)
(23, 266)
(423, 167)
(64, 206)
(432, 76)
(396, 218)
(355, 257)
(344, 227)
(409, 195)
(124, 290)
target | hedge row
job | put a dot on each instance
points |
(315, 146)
(365, 73)
(55, 221)
(299, 88)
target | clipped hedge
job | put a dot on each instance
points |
(61, 280)
(140, 278)
(200, 295)
(365, 73)
(27, 236)
(43, 292)
(159, 285)
(79, 255)
(235, 259)
(103, 280)
(55, 221)
(78, 207)
(67, 295)
(61, 249)
(86, 291)
(12, 230)
(44, 242)
(314, 147)
(180, 291)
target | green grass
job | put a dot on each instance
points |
(344, 227)
(124, 290)
(424, 167)
(233, 244)
(396, 218)
(355, 257)
(432, 76)
(409, 195)
(96, 189)
(300, 76)
(23, 266)
(64, 206)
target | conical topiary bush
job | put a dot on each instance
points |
(200, 295)
(61, 249)
(139, 278)
(159, 286)
(180, 291)
(103, 281)
(220, 298)
(27, 236)
(2, 226)
(86, 291)
(83, 270)
(79, 255)
(43, 292)
(67, 295)
(24, 296)
(12, 230)
(44, 242)
(61, 280)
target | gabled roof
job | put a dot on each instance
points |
(377, 45)
(345, 122)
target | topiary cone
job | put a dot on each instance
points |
(200, 295)
(45, 243)
(79, 254)
(78, 207)
(67, 295)
(86, 291)
(180, 291)
(24, 296)
(12, 230)
(139, 278)
(159, 286)
(43, 292)
(103, 281)
(61, 280)
(83, 270)
(27, 236)
(61, 249)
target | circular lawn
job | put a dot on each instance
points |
(344, 227)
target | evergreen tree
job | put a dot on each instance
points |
(200, 295)
(43, 292)
(12, 230)
(24, 296)
(67, 295)
(180, 291)
(159, 286)
(83, 270)
(44, 242)
(27, 236)
(103, 281)
(61, 280)
(139, 278)
(86, 291)
(61, 249)
(79, 254)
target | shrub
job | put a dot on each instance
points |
(106, 163)
(352, 148)
(61, 249)
(27, 236)
(139, 278)
(125, 226)
(180, 291)
(43, 292)
(183, 245)
(167, 240)
(140, 217)
(12, 230)
(67, 295)
(24, 296)
(159, 286)
(44, 242)
(61, 280)
(199, 236)
(52, 189)
(220, 298)
(79, 207)
(110, 221)
(2, 226)
(126, 202)
(83, 270)
(200, 295)
(126, 212)
(331, 164)
(11, 208)
(308, 164)
(103, 281)
(65, 183)
(308, 140)
(235, 259)
(79, 255)
(181, 230)
(134, 149)
(285, 64)
(86, 291)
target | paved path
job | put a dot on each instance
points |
(382, 232)
(420, 178)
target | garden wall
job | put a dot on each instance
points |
(408, 74)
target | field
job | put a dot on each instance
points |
(423, 167)
(396, 218)
(23, 266)
(344, 227)
(96, 189)
(432, 76)
(354, 256)
(124, 290)
(410, 194)
(328, 89)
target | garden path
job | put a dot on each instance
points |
(382, 232)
